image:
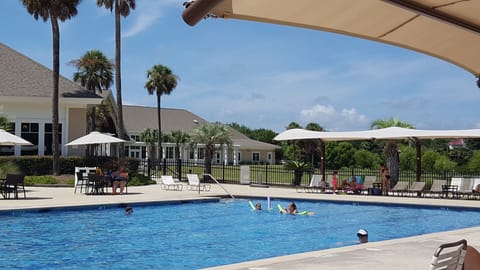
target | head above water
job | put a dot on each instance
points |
(362, 235)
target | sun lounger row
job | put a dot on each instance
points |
(466, 188)
(168, 183)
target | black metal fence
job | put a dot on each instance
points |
(276, 174)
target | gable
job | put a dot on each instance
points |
(20, 76)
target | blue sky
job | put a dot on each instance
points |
(259, 75)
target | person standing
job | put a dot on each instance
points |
(385, 174)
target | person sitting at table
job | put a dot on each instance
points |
(119, 177)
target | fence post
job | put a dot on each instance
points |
(164, 167)
(266, 173)
(149, 169)
(179, 169)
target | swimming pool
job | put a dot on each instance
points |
(199, 235)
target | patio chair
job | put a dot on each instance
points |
(12, 184)
(169, 184)
(465, 186)
(476, 188)
(399, 189)
(449, 256)
(315, 184)
(96, 184)
(416, 189)
(436, 188)
(194, 183)
(368, 183)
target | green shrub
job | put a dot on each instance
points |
(32, 180)
(8, 167)
(140, 180)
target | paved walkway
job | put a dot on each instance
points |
(406, 253)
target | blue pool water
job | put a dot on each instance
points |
(198, 235)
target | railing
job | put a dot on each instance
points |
(277, 174)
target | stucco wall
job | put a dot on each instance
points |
(76, 128)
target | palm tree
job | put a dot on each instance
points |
(179, 138)
(391, 150)
(122, 8)
(4, 123)
(150, 137)
(54, 10)
(211, 135)
(94, 72)
(160, 80)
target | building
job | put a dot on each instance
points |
(26, 100)
(138, 118)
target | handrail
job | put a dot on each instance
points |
(213, 178)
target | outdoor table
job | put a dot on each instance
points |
(449, 189)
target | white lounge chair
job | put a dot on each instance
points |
(194, 183)
(449, 256)
(315, 184)
(465, 186)
(169, 184)
(436, 188)
(368, 183)
(400, 188)
(416, 189)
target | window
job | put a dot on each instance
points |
(169, 153)
(30, 133)
(49, 138)
(255, 157)
(191, 153)
(135, 138)
(201, 153)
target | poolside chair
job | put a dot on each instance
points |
(436, 188)
(169, 184)
(315, 184)
(399, 189)
(12, 184)
(449, 256)
(368, 183)
(416, 189)
(465, 186)
(194, 183)
(475, 191)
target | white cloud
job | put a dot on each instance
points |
(328, 116)
(147, 12)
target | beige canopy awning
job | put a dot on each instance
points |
(446, 29)
(390, 133)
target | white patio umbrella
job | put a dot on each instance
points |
(95, 137)
(9, 139)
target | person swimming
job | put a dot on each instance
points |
(128, 210)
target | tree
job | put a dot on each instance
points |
(366, 159)
(122, 8)
(293, 125)
(54, 10)
(162, 81)
(150, 137)
(95, 73)
(4, 123)
(213, 136)
(340, 154)
(391, 150)
(180, 138)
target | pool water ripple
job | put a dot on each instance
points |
(199, 235)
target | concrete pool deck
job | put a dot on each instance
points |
(406, 253)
